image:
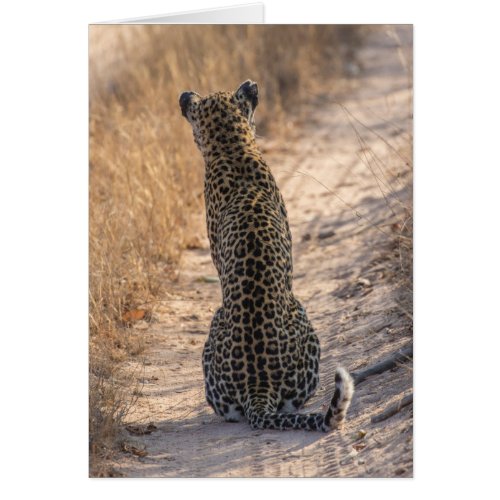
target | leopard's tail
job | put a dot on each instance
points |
(261, 418)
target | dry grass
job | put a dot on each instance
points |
(145, 178)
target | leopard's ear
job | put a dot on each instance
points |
(248, 91)
(185, 101)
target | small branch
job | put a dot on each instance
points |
(388, 363)
(392, 410)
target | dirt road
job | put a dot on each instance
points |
(347, 186)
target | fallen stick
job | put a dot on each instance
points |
(387, 364)
(392, 410)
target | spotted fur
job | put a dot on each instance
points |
(261, 358)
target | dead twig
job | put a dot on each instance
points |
(404, 354)
(392, 410)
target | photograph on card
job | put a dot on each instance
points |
(250, 250)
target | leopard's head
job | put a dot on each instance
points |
(223, 120)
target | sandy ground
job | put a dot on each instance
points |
(345, 257)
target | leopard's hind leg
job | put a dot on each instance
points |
(307, 371)
(222, 404)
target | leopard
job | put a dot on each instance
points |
(261, 358)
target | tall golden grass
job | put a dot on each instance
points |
(145, 180)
